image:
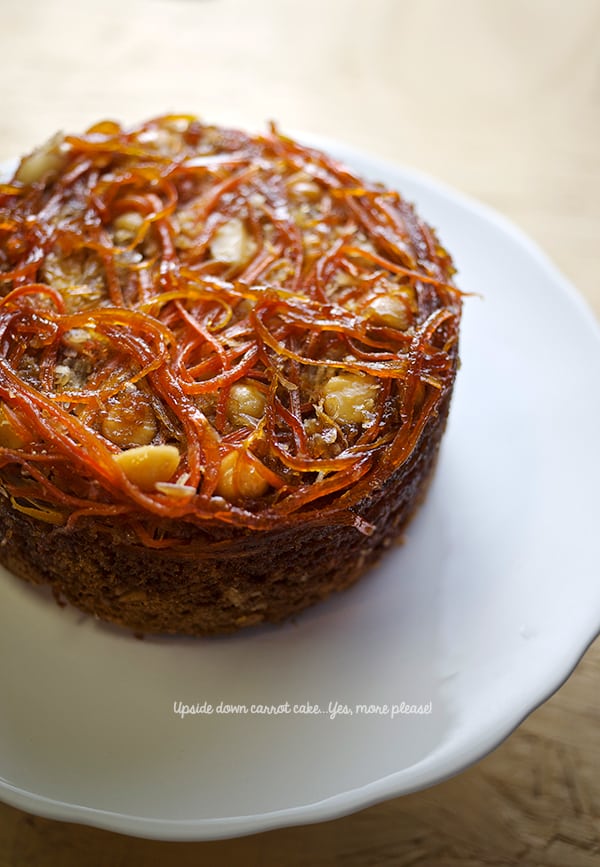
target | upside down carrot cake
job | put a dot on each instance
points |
(226, 365)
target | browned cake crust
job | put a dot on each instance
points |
(173, 468)
(256, 577)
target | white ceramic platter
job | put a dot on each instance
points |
(479, 617)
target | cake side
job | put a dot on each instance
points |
(263, 577)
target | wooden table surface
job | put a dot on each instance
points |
(499, 98)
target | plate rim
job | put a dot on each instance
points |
(328, 809)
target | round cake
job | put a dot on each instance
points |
(226, 365)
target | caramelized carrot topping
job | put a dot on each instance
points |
(153, 269)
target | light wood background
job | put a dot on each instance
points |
(499, 98)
